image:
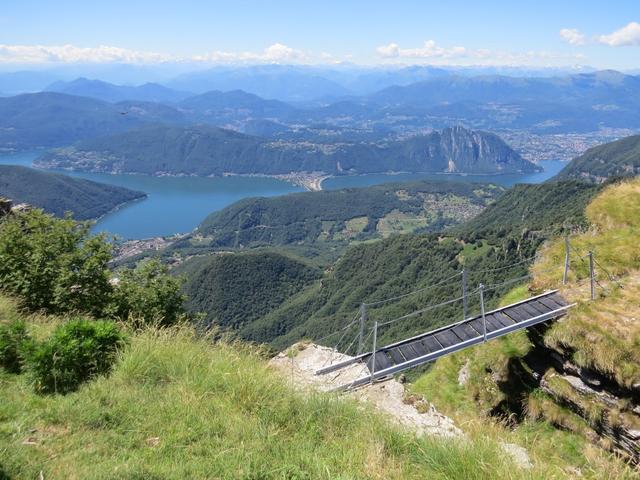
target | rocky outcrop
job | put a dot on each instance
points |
(7, 207)
(610, 411)
(614, 419)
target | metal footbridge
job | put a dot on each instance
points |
(426, 347)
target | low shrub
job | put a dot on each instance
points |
(77, 351)
(13, 342)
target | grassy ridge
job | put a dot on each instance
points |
(176, 406)
(603, 335)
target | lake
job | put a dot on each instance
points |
(173, 204)
(179, 204)
(551, 168)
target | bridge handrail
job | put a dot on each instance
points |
(357, 358)
(453, 348)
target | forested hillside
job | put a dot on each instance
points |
(334, 218)
(532, 210)
(235, 289)
(204, 150)
(615, 159)
(57, 194)
(405, 263)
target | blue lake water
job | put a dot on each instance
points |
(179, 204)
(551, 168)
(173, 204)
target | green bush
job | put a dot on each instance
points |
(54, 264)
(77, 351)
(13, 341)
(147, 295)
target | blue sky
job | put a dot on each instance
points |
(541, 33)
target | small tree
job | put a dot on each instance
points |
(148, 294)
(54, 264)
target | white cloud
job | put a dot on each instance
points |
(276, 53)
(572, 36)
(389, 51)
(627, 35)
(34, 54)
(437, 55)
(73, 54)
(428, 50)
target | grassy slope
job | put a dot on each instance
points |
(180, 407)
(603, 336)
(57, 193)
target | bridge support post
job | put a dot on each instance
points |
(363, 320)
(566, 260)
(465, 305)
(592, 276)
(484, 318)
(375, 345)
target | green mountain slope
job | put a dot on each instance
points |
(57, 194)
(581, 374)
(486, 246)
(337, 217)
(237, 289)
(534, 210)
(202, 150)
(616, 159)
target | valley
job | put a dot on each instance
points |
(186, 242)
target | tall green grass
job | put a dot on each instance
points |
(177, 406)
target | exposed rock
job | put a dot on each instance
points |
(608, 415)
(463, 374)
(300, 362)
(5, 206)
(518, 454)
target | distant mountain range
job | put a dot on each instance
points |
(203, 150)
(55, 119)
(149, 92)
(583, 102)
(88, 109)
(57, 194)
(615, 159)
